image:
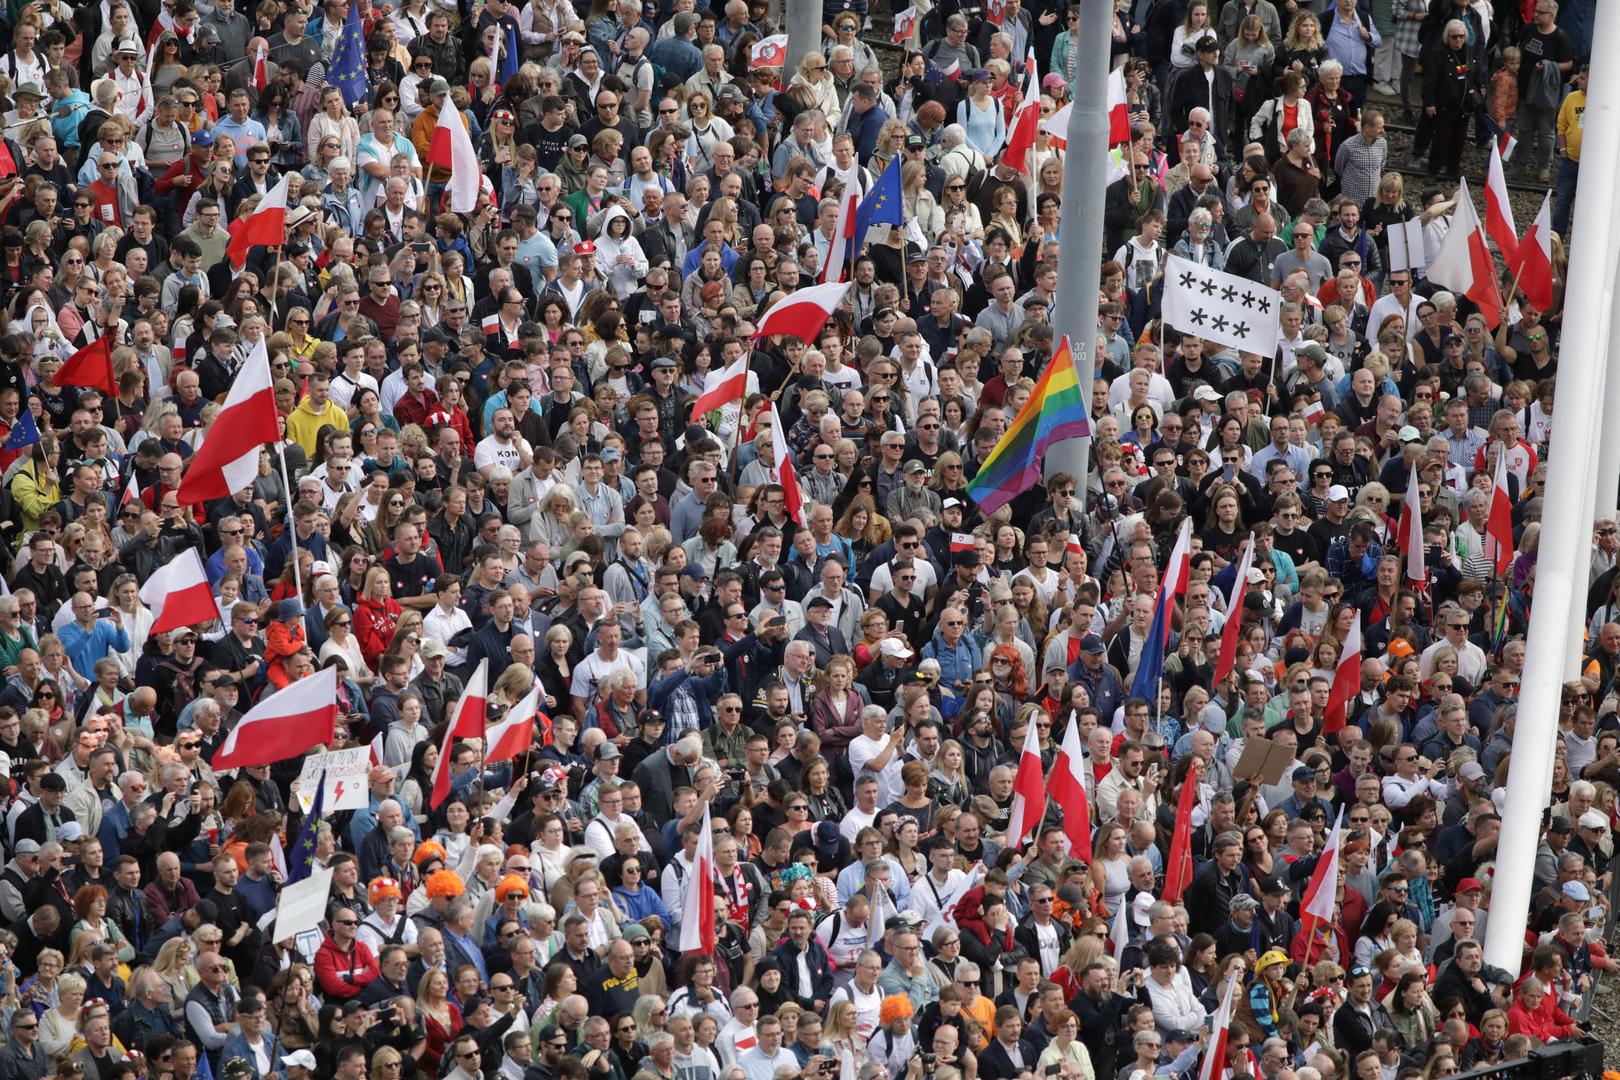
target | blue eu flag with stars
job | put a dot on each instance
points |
(348, 68)
(883, 205)
(301, 862)
(24, 432)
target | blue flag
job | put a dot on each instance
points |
(24, 432)
(511, 55)
(348, 67)
(883, 205)
(301, 860)
(1150, 664)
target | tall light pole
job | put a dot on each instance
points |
(1085, 179)
(1562, 561)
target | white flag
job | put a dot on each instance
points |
(1221, 307)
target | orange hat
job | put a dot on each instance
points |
(508, 885)
(428, 849)
(1400, 647)
(893, 1008)
(445, 883)
(382, 888)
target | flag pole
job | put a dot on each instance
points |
(292, 526)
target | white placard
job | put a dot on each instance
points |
(302, 905)
(345, 779)
(1406, 250)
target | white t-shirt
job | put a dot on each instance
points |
(863, 749)
(883, 578)
(491, 451)
(866, 1008)
(590, 672)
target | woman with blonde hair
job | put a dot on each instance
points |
(59, 1024)
(816, 76)
(839, 1033)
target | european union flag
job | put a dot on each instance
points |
(883, 205)
(348, 68)
(301, 860)
(24, 433)
(511, 55)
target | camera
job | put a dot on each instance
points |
(928, 1060)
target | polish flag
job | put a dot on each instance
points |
(1498, 211)
(90, 367)
(721, 388)
(1506, 144)
(1409, 531)
(261, 74)
(228, 459)
(1068, 787)
(768, 52)
(132, 492)
(1322, 892)
(697, 915)
(452, 148)
(265, 227)
(1346, 681)
(996, 11)
(841, 249)
(1026, 122)
(1499, 523)
(1213, 1066)
(904, 23)
(178, 593)
(1178, 868)
(1234, 612)
(786, 475)
(283, 725)
(515, 734)
(1532, 262)
(1029, 791)
(1056, 126)
(1463, 263)
(961, 542)
(802, 314)
(1119, 117)
(468, 724)
(1119, 934)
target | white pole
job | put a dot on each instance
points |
(1607, 485)
(1561, 567)
(292, 527)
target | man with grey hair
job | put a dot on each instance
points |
(661, 773)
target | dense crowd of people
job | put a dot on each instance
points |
(786, 619)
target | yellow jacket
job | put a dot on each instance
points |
(1570, 116)
(34, 496)
(304, 423)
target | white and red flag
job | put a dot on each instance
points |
(265, 227)
(804, 313)
(1499, 521)
(1234, 614)
(1346, 681)
(697, 914)
(228, 459)
(1498, 210)
(1029, 791)
(1532, 262)
(721, 388)
(515, 733)
(1068, 787)
(770, 52)
(452, 148)
(786, 474)
(1463, 263)
(468, 723)
(178, 593)
(284, 725)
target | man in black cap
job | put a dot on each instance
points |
(827, 640)
(43, 821)
(1100, 680)
(1208, 85)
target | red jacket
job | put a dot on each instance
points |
(344, 974)
(1547, 1023)
(374, 626)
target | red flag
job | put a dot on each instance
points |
(1463, 263)
(1119, 116)
(514, 734)
(91, 366)
(1410, 529)
(265, 227)
(721, 388)
(1498, 211)
(1346, 681)
(1026, 122)
(785, 473)
(468, 723)
(802, 314)
(1532, 262)
(284, 725)
(1029, 791)
(261, 75)
(178, 593)
(996, 11)
(132, 492)
(1323, 891)
(770, 52)
(1069, 792)
(1178, 868)
(1214, 1063)
(904, 23)
(1499, 523)
(697, 914)
(961, 542)
(228, 459)
(1234, 613)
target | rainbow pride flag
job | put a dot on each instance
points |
(1054, 412)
